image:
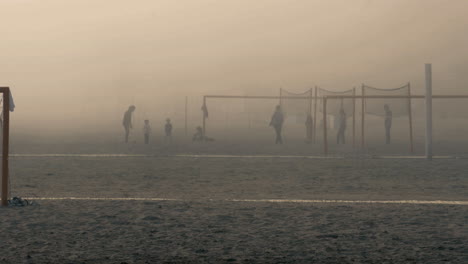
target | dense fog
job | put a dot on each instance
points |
(75, 66)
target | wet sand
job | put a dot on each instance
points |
(204, 225)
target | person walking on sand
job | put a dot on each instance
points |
(127, 121)
(147, 131)
(277, 123)
(340, 137)
(387, 123)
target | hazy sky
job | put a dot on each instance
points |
(76, 61)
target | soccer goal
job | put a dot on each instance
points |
(397, 101)
(6, 102)
(248, 116)
(345, 101)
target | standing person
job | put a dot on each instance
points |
(340, 137)
(388, 123)
(127, 121)
(168, 130)
(309, 124)
(277, 123)
(198, 136)
(147, 131)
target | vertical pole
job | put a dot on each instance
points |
(363, 113)
(204, 116)
(280, 100)
(6, 139)
(325, 140)
(310, 114)
(354, 117)
(186, 112)
(410, 115)
(310, 102)
(315, 113)
(428, 67)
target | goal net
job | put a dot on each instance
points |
(296, 105)
(334, 106)
(398, 101)
(400, 107)
(231, 118)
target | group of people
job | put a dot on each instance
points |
(127, 124)
(277, 121)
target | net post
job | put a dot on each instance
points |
(325, 140)
(410, 117)
(354, 117)
(6, 136)
(362, 116)
(186, 112)
(310, 102)
(281, 95)
(315, 113)
(204, 116)
(428, 68)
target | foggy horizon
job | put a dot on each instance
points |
(81, 63)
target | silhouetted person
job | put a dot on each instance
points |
(168, 130)
(147, 131)
(127, 121)
(388, 123)
(340, 137)
(309, 124)
(277, 123)
(198, 136)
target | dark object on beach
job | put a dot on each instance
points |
(200, 136)
(19, 202)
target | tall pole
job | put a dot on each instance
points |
(186, 112)
(6, 139)
(354, 117)
(428, 67)
(410, 115)
(325, 140)
(315, 113)
(204, 116)
(363, 113)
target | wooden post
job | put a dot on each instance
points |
(315, 113)
(363, 113)
(410, 115)
(186, 112)
(6, 139)
(428, 111)
(354, 117)
(325, 140)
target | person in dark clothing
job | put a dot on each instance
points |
(168, 130)
(340, 137)
(198, 136)
(147, 131)
(127, 121)
(388, 123)
(277, 123)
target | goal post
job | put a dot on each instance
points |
(398, 100)
(260, 107)
(5, 123)
(343, 100)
